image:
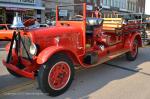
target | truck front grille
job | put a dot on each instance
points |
(27, 43)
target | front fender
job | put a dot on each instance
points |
(138, 37)
(48, 52)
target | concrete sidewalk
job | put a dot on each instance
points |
(3, 44)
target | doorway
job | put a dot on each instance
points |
(9, 17)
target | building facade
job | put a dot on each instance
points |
(111, 7)
(26, 9)
(141, 6)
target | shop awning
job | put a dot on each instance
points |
(21, 6)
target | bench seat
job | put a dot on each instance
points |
(110, 24)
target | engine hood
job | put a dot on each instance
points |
(44, 37)
(46, 32)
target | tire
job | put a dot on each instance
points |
(47, 73)
(132, 55)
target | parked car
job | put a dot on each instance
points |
(6, 32)
(146, 34)
(78, 42)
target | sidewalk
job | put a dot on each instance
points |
(3, 44)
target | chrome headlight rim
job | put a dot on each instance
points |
(33, 49)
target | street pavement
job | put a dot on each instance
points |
(3, 44)
(116, 79)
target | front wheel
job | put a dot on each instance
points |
(56, 76)
(132, 55)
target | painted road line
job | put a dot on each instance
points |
(17, 88)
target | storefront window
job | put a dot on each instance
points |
(29, 14)
(95, 1)
(2, 16)
(1, 12)
(88, 1)
(105, 2)
(123, 4)
(20, 1)
(50, 16)
(112, 3)
(116, 3)
(27, 1)
(108, 2)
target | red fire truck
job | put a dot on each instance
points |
(78, 41)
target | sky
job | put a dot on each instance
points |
(147, 8)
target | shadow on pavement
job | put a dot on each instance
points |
(143, 58)
(9, 80)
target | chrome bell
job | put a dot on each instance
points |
(17, 22)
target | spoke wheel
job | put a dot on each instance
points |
(59, 75)
(134, 49)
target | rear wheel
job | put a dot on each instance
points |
(56, 76)
(132, 55)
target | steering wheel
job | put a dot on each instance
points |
(77, 17)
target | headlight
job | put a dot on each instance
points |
(33, 49)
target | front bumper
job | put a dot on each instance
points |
(19, 71)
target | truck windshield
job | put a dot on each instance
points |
(75, 12)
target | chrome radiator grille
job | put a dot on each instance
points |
(27, 43)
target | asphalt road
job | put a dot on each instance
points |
(117, 79)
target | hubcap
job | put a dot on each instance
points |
(59, 75)
(134, 49)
